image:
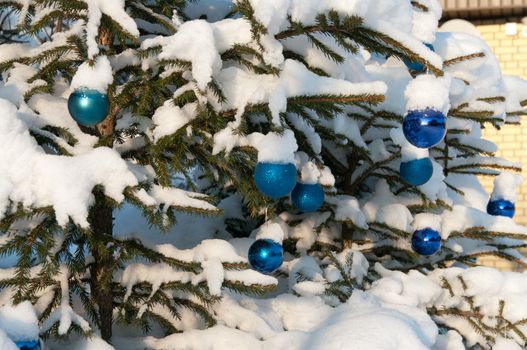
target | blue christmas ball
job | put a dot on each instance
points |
(275, 180)
(307, 197)
(426, 241)
(28, 345)
(417, 172)
(88, 107)
(424, 128)
(416, 66)
(266, 255)
(501, 207)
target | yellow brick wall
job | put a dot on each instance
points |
(511, 140)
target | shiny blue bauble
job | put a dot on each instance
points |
(426, 241)
(88, 107)
(307, 197)
(415, 66)
(266, 255)
(28, 345)
(424, 128)
(275, 180)
(417, 172)
(501, 207)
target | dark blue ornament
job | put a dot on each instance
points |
(501, 207)
(426, 241)
(307, 197)
(417, 172)
(415, 66)
(424, 128)
(275, 180)
(266, 255)
(88, 107)
(28, 345)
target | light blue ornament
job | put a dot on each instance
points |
(307, 197)
(28, 345)
(415, 66)
(275, 180)
(266, 255)
(426, 241)
(88, 107)
(417, 172)
(501, 207)
(424, 128)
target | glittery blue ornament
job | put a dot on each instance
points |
(416, 66)
(307, 197)
(266, 255)
(501, 207)
(88, 107)
(275, 180)
(426, 241)
(417, 172)
(28, 345)
(424, 128)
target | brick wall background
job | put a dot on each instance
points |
(511, 51)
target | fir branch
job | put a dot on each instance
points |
(382, 227)
(493, 99)
(460, 59)
(342, 99)
(244, 289)
(420, 6)
(373, 167)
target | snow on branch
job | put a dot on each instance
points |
(481, 298)
(36, 179)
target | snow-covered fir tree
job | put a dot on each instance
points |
(133, 231)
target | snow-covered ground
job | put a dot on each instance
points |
(390, 316)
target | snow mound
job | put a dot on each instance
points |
(418, 96)
(6, 343)
(363, 323)
(97, 76)
(19, 322)
(506, 186)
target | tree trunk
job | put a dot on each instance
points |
(347, 236)
(347, 230)
(101, 220)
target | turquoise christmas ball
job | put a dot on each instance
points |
(28, 345)
(501, 207)
(88, 107)
(275, 180)
(417, 172)
(424, 128)
(307, 197)
(416, 66)
(426, 241)
(266, 255)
